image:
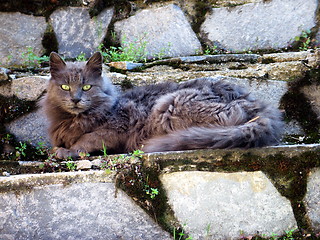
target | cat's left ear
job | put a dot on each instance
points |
(94, 64)
(56, 64)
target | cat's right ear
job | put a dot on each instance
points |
(56, 63)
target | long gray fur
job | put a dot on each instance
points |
(200, 113)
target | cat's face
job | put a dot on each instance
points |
(76, 87)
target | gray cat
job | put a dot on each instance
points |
(86, 113)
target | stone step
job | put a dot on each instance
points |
(211, 194)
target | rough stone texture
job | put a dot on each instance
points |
(5, 90)
(263, 25)
(165, 31)
(312, 92)
(18, 32)
(222, 205)
(83, 164)
(30, 128)
(274, 71)
(88, 209)
(29, 88)
(285, 56)
(312, 199)
(4, 74)
(76, 32)
(313, 59)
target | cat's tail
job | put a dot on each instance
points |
(258, 132)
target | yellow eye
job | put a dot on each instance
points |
(86, 87)
(65, 87)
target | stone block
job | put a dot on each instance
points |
(227, 205)
(165, 31)
(71, 206)
(265, 25)
(31, 128)
(77, 33)
(18, 33)
(29, 88)
(312, 200)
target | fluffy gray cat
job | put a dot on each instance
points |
(86, 113)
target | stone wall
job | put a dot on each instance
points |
(209, 194)
(168, 28)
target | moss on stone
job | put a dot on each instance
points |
(298, 107)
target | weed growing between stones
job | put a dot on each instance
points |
(292, 234)
(179, 234)
(128, 51)
(81, 57)
(71, 165)
(304, 41)
(32, 60)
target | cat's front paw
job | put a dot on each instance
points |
(63, 153)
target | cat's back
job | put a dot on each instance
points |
(149, 94)
(215, 89)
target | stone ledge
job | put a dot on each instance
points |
(207, 159)
(255, 189)
(30, 181)
(82, 205)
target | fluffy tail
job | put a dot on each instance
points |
(257, 132)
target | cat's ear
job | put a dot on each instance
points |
(56, 63)
(94, 64)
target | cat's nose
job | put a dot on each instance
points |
(75, 100)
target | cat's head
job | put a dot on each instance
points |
(78, 87)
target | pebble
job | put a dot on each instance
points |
(83, 164)
(5, 174)
(4, 74)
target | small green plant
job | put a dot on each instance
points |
(49, 164)
(163, 51)
(81, 57)
(104, 149)
(21, 149)
(6, 139)
(122, 161)
(151, 192)
(128, 51)
(83, 155)
(212, 50)
(31, 59)
(304, 40)
(137, 153)
(179, 235)
(9, 58)
(71, 165)
(41, 149)
(288, 236)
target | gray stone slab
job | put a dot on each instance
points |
(312, 199)
(265, 25)
(18, 32)
(79, 206)
(77, 33)
(165, 31)
(31, 128)
(29, 88)
(226, 205)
